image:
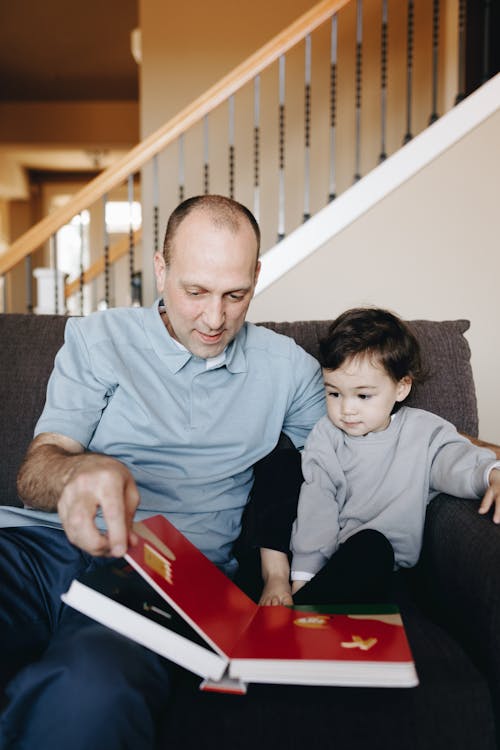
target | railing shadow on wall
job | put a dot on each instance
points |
(287, 131)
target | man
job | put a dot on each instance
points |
(159, 410)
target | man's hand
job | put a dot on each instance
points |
(492, 496)
(58, 474)
(276, 576)
(99, 482)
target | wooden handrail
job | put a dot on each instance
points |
(116, 251)
(136, 158)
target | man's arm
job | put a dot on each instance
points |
(58, 475)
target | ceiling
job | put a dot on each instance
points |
(64, 51)
(60, 51)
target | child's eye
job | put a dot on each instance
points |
(334, 394)
(364, 396)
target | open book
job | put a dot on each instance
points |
(178, 603)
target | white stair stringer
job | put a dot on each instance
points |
(378, 183)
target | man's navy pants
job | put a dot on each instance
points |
(66, 681)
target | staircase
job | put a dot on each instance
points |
(310, 132)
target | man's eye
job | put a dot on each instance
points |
(236, 297)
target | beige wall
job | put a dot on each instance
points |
(19, 218)
(429, 250)
(188, 48)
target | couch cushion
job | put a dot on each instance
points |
(29, 345)
(449, 389)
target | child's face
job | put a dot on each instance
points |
(360, 395)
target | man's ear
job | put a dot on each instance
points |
(404, 388)
(160, 270)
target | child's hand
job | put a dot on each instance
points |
(492, 496)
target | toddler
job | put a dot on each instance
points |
(372, 465)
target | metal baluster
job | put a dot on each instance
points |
(462, 14)
(383, 83)
(106, 253)
(256, 147)
(81, 278)
(307, 130)
(28, 274)
(409, 72)
(359, 60)
(131, 242)
(435, 60)
(206, 169)
(486, 41)
(156, 205)
(281, 168)
(182, 173)
(56, 280)
(333, 105)
(231, 146)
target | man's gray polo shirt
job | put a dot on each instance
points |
(189, 435)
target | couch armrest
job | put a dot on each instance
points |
(460, 568)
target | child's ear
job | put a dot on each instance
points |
(403, 388)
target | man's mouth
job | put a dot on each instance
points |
(208, 338)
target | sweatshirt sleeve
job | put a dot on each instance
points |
(315, 531)
(458, 467)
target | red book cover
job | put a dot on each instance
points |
(334, 646)
(191, 583)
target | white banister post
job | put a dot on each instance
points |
(46, 290)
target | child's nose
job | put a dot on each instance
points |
(349, 406)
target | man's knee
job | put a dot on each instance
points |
(112, 688)
(102, 664)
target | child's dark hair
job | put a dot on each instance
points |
(376, 332)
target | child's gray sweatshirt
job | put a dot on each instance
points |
(383, 481)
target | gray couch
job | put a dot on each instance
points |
(450, 602)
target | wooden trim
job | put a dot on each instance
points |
(484, 444)
(116, 251)
(157, 141)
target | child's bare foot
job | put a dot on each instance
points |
(276, 591)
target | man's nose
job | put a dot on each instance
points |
(213, 314)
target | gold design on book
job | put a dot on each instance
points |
(149, 536)
(364, 644)
(312, 621)
(158, 563)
